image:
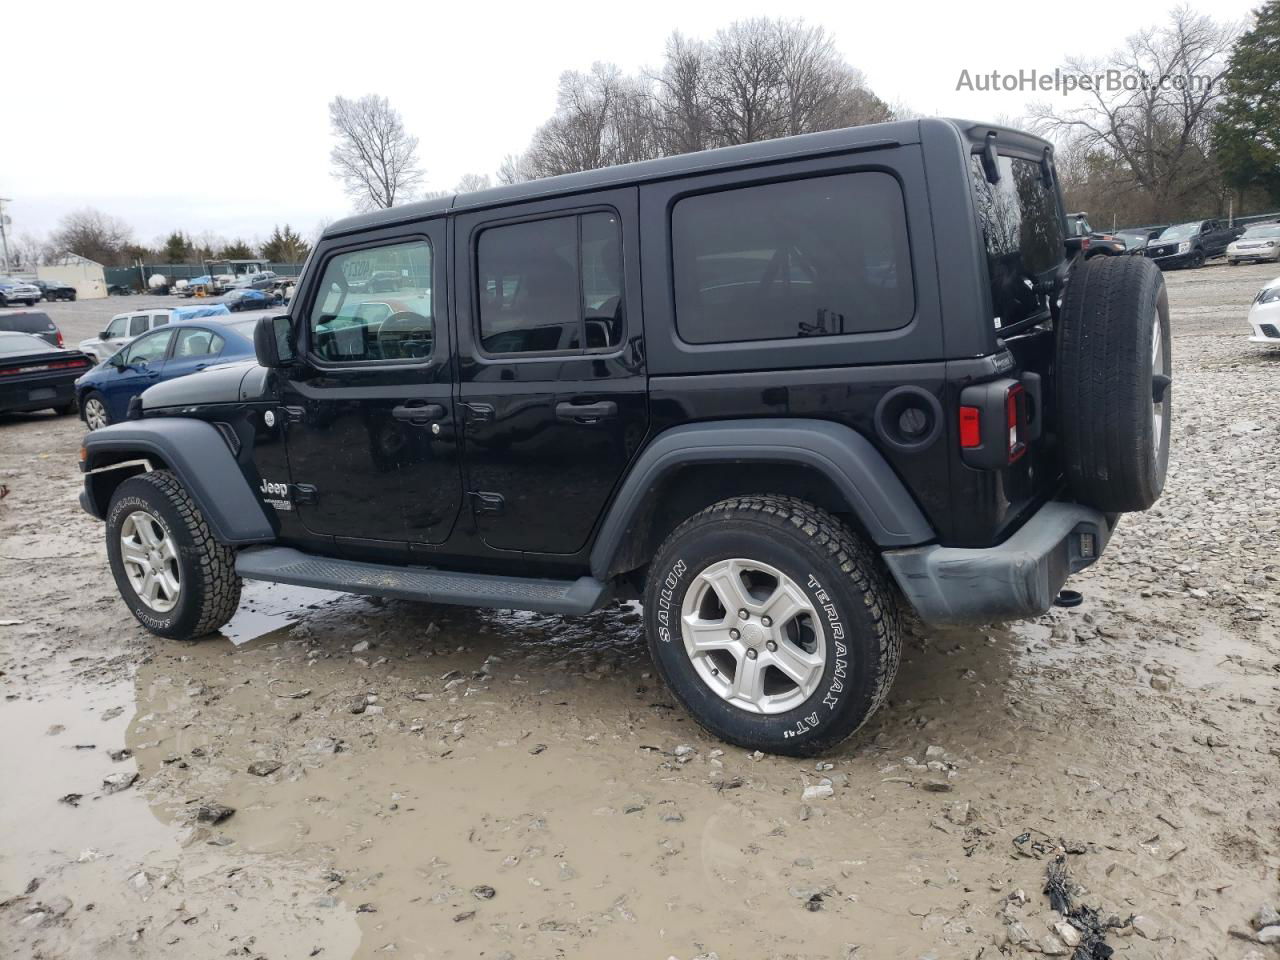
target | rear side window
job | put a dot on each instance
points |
(197, 342)
(137, 325)
(375, 304)
(159, 318)
(1022, 229)
(802, 258)
(551, 286)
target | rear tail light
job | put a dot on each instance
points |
(996, 422)
(77, 364)
(59, 338)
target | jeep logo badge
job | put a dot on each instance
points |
(279, 490)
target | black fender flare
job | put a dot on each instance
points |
(868, 484)
(199, 456)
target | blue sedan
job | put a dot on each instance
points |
(165, 353)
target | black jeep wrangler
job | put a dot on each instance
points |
(778, 391)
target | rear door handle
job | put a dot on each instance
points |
(419, 414)
(586, 412)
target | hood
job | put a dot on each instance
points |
(227, 383)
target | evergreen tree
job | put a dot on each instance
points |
(1247, 133)
(285, 246)
(237, 250)
(176, 248)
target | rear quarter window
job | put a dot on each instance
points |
(816, 257)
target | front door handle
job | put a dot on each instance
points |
(586, 412)
(418, 414)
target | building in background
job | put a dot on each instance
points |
(86, 276)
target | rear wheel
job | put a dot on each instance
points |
(1114, 370)
(773, 624)
(175, 578)
(95, 411)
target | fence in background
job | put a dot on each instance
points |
(131, 277)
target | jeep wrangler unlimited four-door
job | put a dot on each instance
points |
(779, 391)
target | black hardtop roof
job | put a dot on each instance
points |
(894, 133)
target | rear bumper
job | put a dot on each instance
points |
(38, 394)
(1016, 579)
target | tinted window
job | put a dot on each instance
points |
(197, 342)
(137, 325)
(355, 319)
(804, 258)
(551, 285)
(15, 344)
(1022, 229)
(26, 322)
(159, 318)
(148, 349)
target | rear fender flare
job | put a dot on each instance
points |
(200, 458)
(857, 470)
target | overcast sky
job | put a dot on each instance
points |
(169, 118)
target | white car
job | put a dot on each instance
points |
(123, 328)
(1264, 315)
(1256, 245)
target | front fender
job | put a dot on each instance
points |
(858, 471)
(198, 455)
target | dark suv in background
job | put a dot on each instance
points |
(778, 391)
(1191, 244)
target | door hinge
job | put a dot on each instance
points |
(478, 412)
(489, 504)
(295, 414)
(304, 493)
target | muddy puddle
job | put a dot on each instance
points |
(442, 782)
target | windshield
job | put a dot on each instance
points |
(1180, 230)
(1270, 230)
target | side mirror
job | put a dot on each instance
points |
(104, 336)
(273, 342)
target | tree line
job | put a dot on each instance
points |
(1192, 130)
(110, 241)
(1153, 151)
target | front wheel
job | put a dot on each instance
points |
(773, 624)
(175, 578)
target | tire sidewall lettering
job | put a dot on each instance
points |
(665, 596)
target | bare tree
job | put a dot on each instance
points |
(94, 235)
(375, 157)
(27, 252)
(471, 182)
(682, 109)
(1155, 132)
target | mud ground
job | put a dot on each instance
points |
(518, 785)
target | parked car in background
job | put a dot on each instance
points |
(248, 299)
(1191, 244)
(55, 290)
(175, 351)
(1256, 245)
(1136, 239)
(13, 290)
(125, 326)
(262, 280)
(33, 322)
(1100, 244)
(119, 290)
(36, 376)
(1264, 315)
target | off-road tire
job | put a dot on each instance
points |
(843, 579)
(1105, 383)
(209, 590)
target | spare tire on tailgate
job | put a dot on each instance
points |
(1113, 387)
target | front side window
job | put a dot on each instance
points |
(137, 325)
(375, 304)
(116, 327)
(148, 349)
(802, 258)
(551, 286)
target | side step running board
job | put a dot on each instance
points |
(286, 565)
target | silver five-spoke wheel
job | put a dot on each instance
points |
(95, 414)
(150, 561)
(753, 636)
